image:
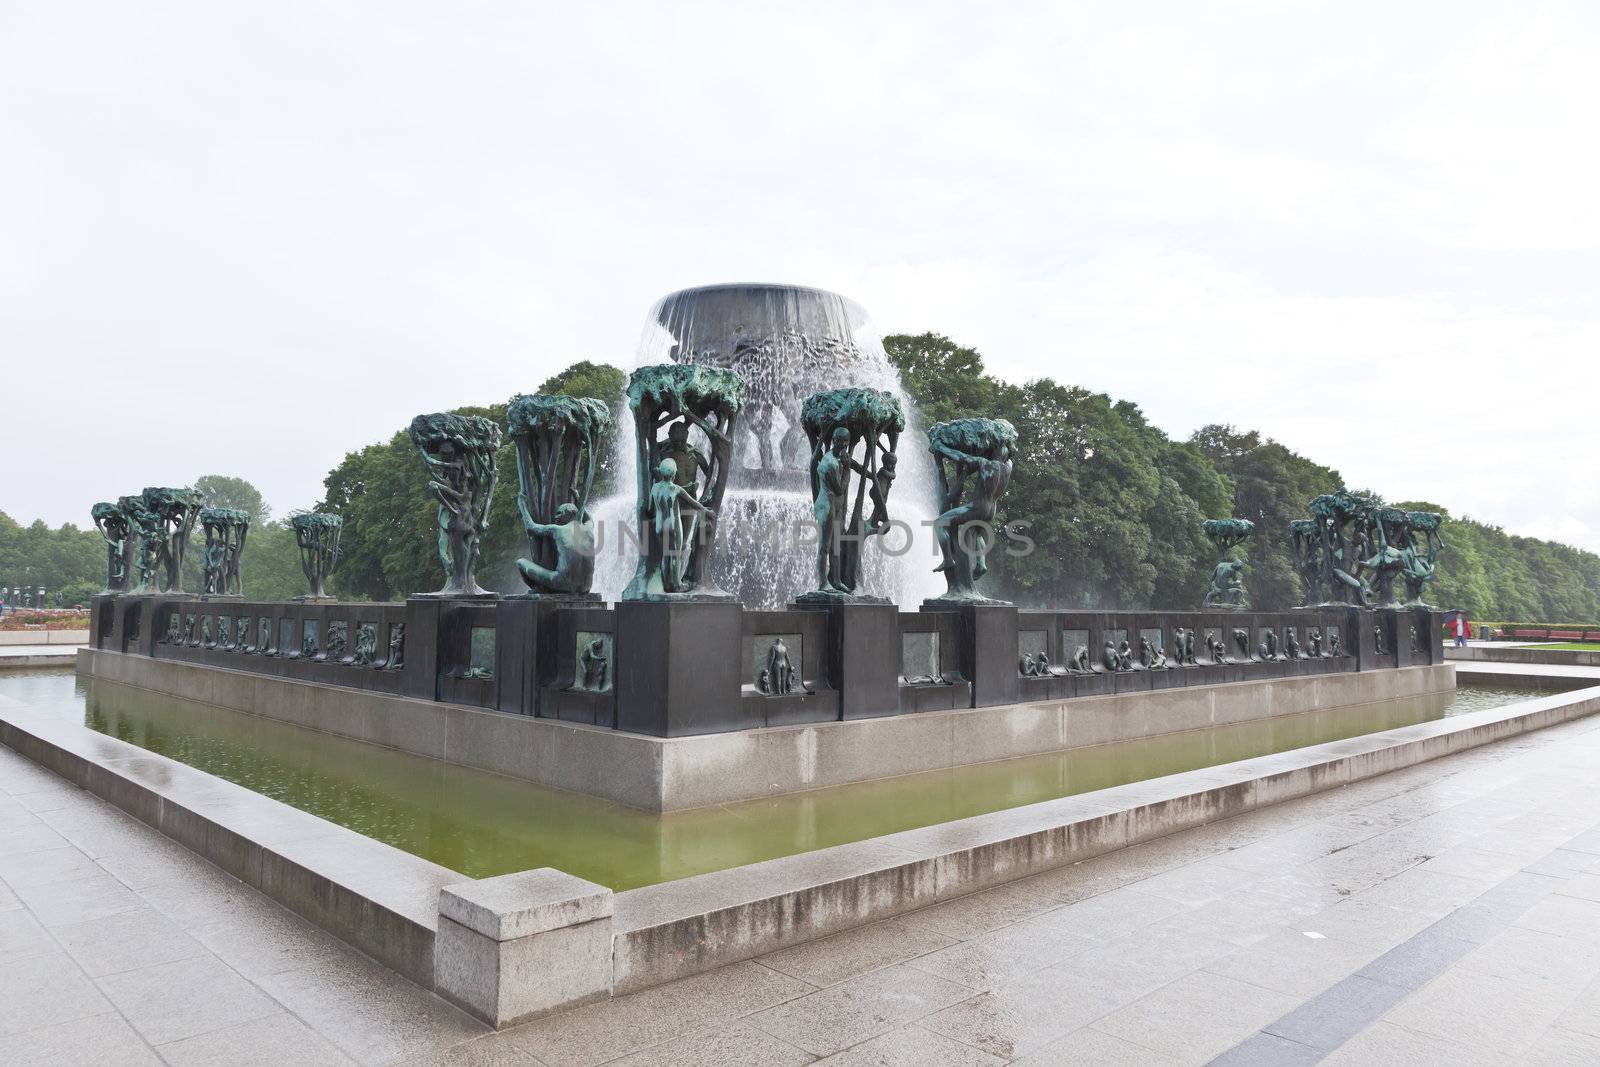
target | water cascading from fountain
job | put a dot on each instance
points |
(786, 343)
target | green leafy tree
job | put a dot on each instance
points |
(1113, 506)
(223, 491)
(1272, 485)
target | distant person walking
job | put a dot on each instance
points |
(1460, 627)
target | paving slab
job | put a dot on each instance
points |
(1109, 960)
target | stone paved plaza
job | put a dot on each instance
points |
(1447, 914)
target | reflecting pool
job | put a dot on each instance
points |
(483, 824)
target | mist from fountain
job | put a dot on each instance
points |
(786, 343)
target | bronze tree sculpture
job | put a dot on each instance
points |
(1305, 540)
(1227, 588)
(458, 451)
(1388, 537)
(977, 453)
(317, 536)
(839, 423)
(147, 533)
(1343, 532)
(225, 534)
(1418, 561)
(175, 511)
(680, 487)
(558, 441)
(116, 529)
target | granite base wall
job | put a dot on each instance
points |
(679, 773)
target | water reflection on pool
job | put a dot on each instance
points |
(484, 824)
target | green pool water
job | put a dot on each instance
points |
(483, 824)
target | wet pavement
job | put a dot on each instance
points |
(1448, 913)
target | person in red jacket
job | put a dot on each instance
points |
(1460, 628)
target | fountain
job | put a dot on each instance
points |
(786, 343)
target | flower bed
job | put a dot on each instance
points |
(44, 619)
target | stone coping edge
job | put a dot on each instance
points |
(374, 897)
(44, 637)
(37, 659)
(679, 928)
(1569, 657)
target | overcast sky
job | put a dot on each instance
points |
(248, 238)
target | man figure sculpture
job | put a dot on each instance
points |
(1227, 590)
(688, 461)
(833, 475)
(574, 540)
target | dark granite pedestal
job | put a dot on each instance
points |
(988, 644)
(863, 656)
(678, 669)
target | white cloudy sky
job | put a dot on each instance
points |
(247, 238)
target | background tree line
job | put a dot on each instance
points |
(1114, 504)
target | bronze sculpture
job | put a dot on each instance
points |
(1388, 535)
(174, 512)
(558, 442)
(1417, 564)
(838, 423)
(982, 450)
(1227, 585)
(678, 505)
(316, 534)
(226, 529)
(779, 672)
(1306, 545)
(1343, 533)
(116, 529)
(458, 452)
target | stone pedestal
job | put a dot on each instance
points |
(863, 655)
(988, 644)
(1431, 624)
(521, 945)
(421, 666)
(526, 652)
(678, 670)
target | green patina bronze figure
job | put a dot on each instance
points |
(1417, 563)
(176, 511)
(838, 423)
(458, 452)
(1388, 537)
(1305, 542)
(145, 532)
(1342, 529)
(779, 675)
(317, 535)
(116, 529)
(1227, 583)
(1151, 657)
(558, 441)
(983, 451)
(225, 533)
(366, 651)
(680, 482)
